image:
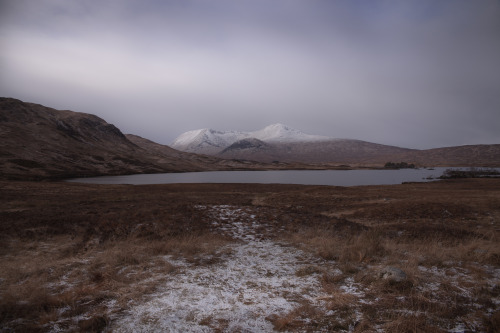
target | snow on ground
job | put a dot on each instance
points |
(256, 280)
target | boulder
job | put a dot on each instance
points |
(392, 274)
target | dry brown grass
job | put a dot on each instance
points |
(445, 281)
(447, 243)
(57, 287)
(339, 300)
(410, 323)
(78, 262)
(294, 320)
(80, 255)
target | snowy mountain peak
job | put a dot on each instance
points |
(276, 130)
(278, 126)
(282, 133)
(190, 136)
(209, 141)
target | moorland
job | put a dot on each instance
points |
(420, 257)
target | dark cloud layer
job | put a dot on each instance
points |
(417, 73)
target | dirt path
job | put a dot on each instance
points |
(255, 284)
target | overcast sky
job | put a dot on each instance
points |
(417, 74)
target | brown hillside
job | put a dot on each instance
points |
(328, 151)
(470, 155)
(356, 152)
(41, 142)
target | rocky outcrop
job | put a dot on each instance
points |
(393, 274)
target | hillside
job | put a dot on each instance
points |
(38, 142)
(328, 151)
(469, 155)
(195, 162)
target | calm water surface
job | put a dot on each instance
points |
(305, 177)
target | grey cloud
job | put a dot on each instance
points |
(418, 74)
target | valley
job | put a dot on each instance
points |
(249, 166)
(237, 257)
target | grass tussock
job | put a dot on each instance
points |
(294, 319)
(411, 323)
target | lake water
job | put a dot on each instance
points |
(305, 177)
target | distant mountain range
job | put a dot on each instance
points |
(209, 141)
(38, 142)
(282, 143)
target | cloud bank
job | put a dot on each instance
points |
(417, 74)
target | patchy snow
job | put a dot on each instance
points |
(352, 288)
(459, 328)
(258, 279)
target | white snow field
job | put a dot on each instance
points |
(255, 281)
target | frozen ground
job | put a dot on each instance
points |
(255, 282)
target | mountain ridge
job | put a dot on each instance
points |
(280, 143)
(210, 141)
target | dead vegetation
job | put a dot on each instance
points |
(70, 254)
(75, 257)
(448, 250)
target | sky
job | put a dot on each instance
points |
(416, 74)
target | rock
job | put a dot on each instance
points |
(392, 274)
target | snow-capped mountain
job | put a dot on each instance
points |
(278, 142)
(209, 141)
(206, 141)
